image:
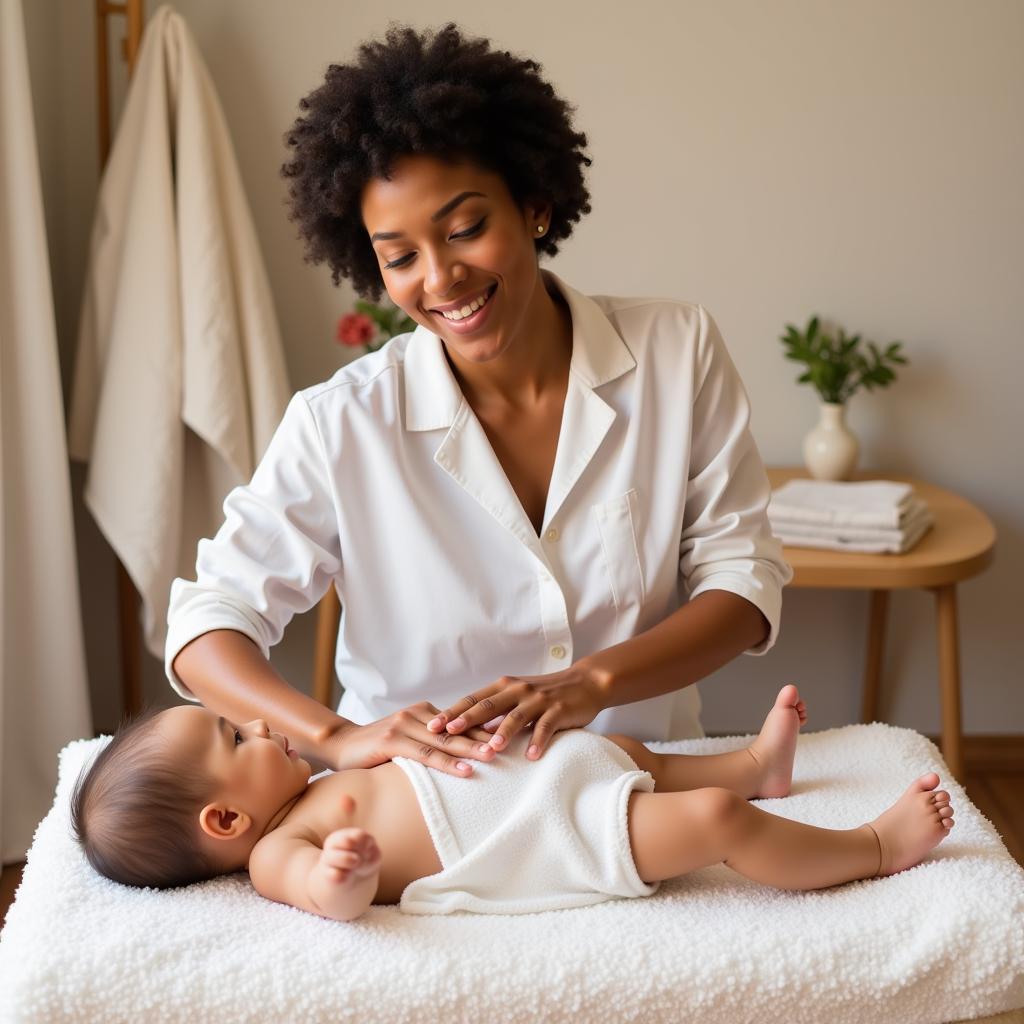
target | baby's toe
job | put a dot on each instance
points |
(945, 812)
(788, 696)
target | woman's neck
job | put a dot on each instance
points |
(533, 366)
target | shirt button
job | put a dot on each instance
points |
(552, 534)
(558, 651)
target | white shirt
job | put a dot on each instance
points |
(382, 482)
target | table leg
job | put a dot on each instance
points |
(876, 649)
(328, 620)
(949, 678)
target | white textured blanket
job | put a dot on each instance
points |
(941, 942)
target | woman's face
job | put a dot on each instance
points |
(450, 236)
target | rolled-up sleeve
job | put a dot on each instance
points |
(726, 542)
(275, 554)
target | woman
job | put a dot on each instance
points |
(539, 509)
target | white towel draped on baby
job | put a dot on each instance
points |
(941, 942)
(525, 836)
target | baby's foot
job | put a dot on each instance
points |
(775, 747)
(915, 824)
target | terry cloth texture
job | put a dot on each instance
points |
(524, 836)
(941, 942)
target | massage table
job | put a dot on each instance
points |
(941, 942)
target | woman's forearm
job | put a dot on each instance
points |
(229, 674)
(694, 641)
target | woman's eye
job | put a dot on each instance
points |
(238, 737)
(471, 231)
(468, 233)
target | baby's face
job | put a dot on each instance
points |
(254, 770)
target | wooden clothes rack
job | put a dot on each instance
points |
(127, 597)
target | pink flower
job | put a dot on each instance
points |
(355, 329)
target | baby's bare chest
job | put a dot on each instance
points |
(387, 808)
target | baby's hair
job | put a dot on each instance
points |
(433, 93)
(135, 809)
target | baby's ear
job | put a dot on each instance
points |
(222, 822)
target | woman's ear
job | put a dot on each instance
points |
(537, 215)
(222, 822)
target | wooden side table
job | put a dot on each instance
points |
(958, 546)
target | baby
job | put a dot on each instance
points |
(183, 795)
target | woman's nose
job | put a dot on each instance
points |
(443, 274)
(258, 727)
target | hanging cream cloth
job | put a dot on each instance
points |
(180, 377)
(44, 698)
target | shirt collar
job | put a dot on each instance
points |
(432, 394)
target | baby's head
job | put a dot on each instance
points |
(182, 795)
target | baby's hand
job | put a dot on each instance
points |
(349, 855)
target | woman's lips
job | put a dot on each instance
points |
(475, 320)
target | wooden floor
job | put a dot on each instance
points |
(995, 783)
(1000, 797)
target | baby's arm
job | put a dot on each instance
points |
(338, 881)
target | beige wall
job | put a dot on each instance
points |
(770, 160)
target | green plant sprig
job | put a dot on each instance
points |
(835, 365)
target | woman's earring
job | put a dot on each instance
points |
(540, 229)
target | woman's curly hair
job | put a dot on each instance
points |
(434, 93)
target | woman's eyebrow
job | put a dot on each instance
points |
(221, 722)
(444, 211)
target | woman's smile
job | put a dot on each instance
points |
(470, 316)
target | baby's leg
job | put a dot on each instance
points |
(674, 833)
(763, 769)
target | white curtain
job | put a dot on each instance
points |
(44, 699)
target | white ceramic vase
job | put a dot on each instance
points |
(830, 450)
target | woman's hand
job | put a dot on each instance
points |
(567, 699)
(405, 734)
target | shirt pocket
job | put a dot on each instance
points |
(617, 522)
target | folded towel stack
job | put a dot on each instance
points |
(869, 516)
